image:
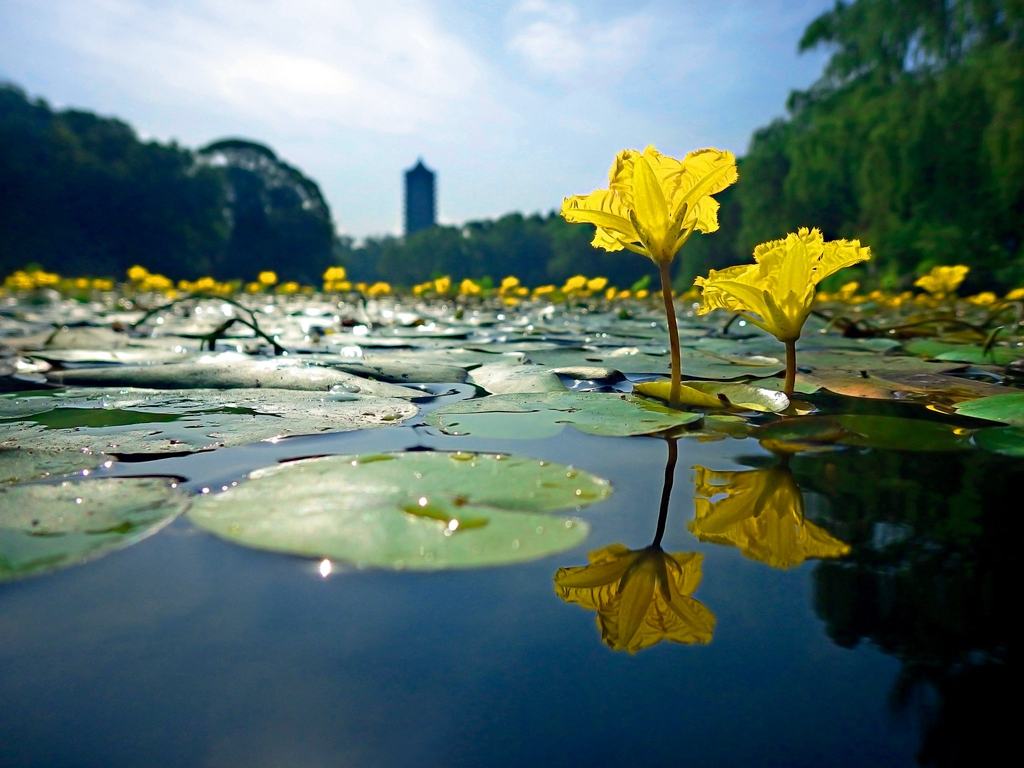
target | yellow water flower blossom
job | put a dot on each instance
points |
(574, 284)
(508, 284)
(267, 278)
(442, 285)
(641, 597)
(334, 274)
(137, 273)
(655, 202)
(469, 288)
(1016, 294)
(652, 206)
(761, 513)
(776, 292)
(379, 288)
(983, 299)
(596, 284)
(943, 280)
(543, 290)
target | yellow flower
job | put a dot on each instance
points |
(942, 281)
(983, 299)
(287, 289)
(760, 512)
(597, 284)
(508, 284)
(1016, 294)
(137, 273)
(469, 288)
(442, 285)
(543, 290)
(267, 278)
(253, 287)
(610, 293)
(378, 289)
(655, 202)
(102, 284)
(777, 291)
(334, 274)
(574, 283)
(641, 596)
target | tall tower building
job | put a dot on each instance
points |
(420, 211)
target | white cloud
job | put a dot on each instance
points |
(385, 67)
(555, 40)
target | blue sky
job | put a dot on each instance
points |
(516, 104)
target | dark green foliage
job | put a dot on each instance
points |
(912, 140)
(81, 194)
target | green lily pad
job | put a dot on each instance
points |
(892, 433)
(126, 421)
(716, 394)
(964, 353)
(533, 416)
(418, 510)
(1008, 441)
(229, 370)
(1008, 409)
(44, 527)
(20, 464)
(499, 379)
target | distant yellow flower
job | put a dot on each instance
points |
(543, 290)
(777, 291)
(983, 299)
(253, 287)
(942, 281)
(137, 273)
(848, 290)
(508, 284)
(761, 513)
(610, 293)
(574, 283)
(267, 278)
(596, 284)
(641, 596)
(655, 202)
(102, 284)
(334, 274)
(1016, 294)
(643, 293)
(469, 288)
(286, 288)
(378, 289)
(442, 285)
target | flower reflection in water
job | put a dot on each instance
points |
(761, 513)
(641, 596)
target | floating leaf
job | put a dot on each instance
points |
(964, 353)
(714, 394)
(419, 510)
(1008, 409)
(231, 371)
(501, 379)
(1008, 441)
(892, 433)
(48, 526)
(160, 421)
(20, 464)
(543, 415)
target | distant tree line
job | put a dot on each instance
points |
(912, 140)
(81, 194)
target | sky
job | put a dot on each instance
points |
(515, 104)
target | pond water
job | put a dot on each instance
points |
(835, 604)
(187, 650)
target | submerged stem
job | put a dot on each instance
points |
(673, 331)
(790, 368)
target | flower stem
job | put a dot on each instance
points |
(790, 368)
(673, 332)
(666, 488)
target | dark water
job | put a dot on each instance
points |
(187, 650)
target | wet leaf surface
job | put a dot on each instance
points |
(418, 511)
